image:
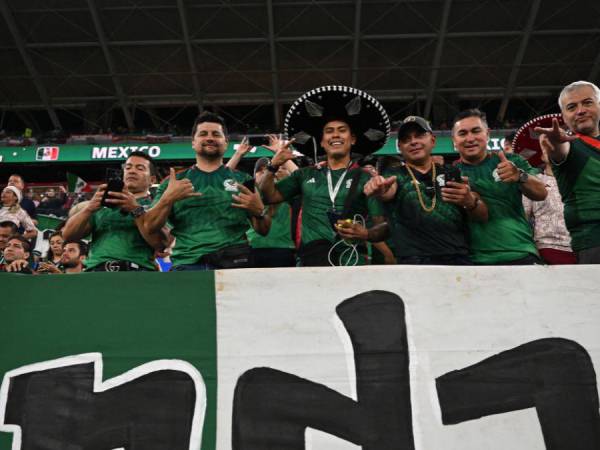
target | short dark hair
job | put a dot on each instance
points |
(8, 224)
(17, 175)
(83, 247)
(148, 158)
(207, 116)
(23, 240)
(473, 112)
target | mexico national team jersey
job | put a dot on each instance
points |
(507, 236)
(311, 183)
(115, 236)
(280, 233)
(207, 223)
(416, 232)
(578, 179)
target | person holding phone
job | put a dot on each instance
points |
(208, 206)
(428, 205)
(119, 242)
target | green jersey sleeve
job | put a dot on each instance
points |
(522, 164)
(291, 186)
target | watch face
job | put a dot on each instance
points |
(523, 176)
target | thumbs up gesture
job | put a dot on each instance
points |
(179, 189)
(507, 171)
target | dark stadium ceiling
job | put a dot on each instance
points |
(126, 54)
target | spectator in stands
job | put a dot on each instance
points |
(26, 203)
(51, 263)
(16, 255)
(208, 206)
(73, 257)
(576, 164)
(119, 242)
(333, 203)
(549, 230)
(507, 146)
(277, 248)
(501, 180)
(7, 229)
(428, 215)
(11, 197)
(52, 202)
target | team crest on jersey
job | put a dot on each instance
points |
(312, 180)
(441, 180)
(230, 185)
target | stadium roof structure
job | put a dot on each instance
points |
(252, 57)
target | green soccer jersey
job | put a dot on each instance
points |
(280, 233)
(578, 179)
(311, 183)
(506, 236)
(207, 223)
(416, 232)
(115, 236)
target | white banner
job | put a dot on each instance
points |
(541, 321)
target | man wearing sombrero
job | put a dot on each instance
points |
(338, 120)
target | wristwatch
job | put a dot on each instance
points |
(523, 176)
(137, 212)
(271, 168)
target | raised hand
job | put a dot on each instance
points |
(556, 135)
(507, 171)
(282, 149)
(380, 187)
(248, 200)
(179, 189)
(243, 147)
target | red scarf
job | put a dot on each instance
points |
(589, 141)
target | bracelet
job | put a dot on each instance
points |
(138, 212)
(271, 168)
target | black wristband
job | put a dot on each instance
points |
(271, 168)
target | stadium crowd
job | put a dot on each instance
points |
(488, 208)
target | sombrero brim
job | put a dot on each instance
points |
(308, 115)
(526, 142)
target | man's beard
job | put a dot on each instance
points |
(70, 264)
(212, 154)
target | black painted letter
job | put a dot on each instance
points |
(556, 376)
(272, 409)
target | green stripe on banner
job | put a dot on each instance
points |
(130, 319)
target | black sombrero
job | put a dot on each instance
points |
(306, 117)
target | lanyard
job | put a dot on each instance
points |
(333, 191)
